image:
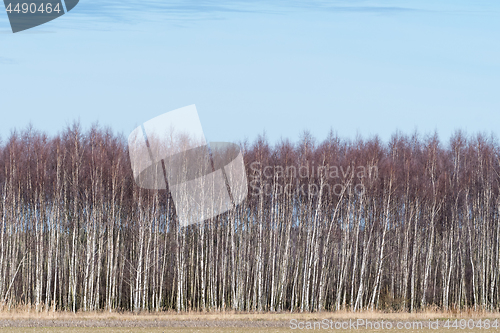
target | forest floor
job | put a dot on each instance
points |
(425, 322)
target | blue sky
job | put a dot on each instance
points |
(357, 67)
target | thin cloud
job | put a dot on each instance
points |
(119, 9)
(347, 6)
(372, 9)
(7, 61)
(210, 9)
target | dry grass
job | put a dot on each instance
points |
(20, 320)
(23, 314)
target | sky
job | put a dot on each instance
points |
(359, 68)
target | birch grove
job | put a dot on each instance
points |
(333, 225)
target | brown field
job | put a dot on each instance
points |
(65, 322)
(140, 330)
(182, 330)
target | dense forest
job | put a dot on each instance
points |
(340, 224)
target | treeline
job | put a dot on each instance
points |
(329, 225)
